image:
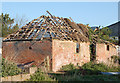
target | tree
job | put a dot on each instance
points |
(20, 21)
(9, 68)
(7, 24)
(15, 28)
(103, 34)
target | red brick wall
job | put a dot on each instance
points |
(85, 52)
(19, 52)
(103, 55)
(64, 52)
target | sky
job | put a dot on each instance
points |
(92, 13)
(119, 10)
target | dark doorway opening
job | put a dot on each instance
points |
(92, 52)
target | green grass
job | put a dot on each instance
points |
(88, 72)
(68, 67)
(100, 67)
(60, 77)
(89, 69)
(87, 78)
(40, 76)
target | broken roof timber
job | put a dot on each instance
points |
(51, 26)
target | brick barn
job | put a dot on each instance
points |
(104, 52)
(58, 41)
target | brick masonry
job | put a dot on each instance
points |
(61, 52)
(27, 51)
(64, 52)
(103, 55)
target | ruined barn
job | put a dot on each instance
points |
(102, 51)
(50, 40)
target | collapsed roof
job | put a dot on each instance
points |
(51, 27)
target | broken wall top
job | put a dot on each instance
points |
(51, 27)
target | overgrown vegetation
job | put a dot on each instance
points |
(91, 33)
(104, 33)
(8, 25)
(40, 76)
(92, 52)
(68, 67)
(90, 68)
(101, 33)
(9, 68)
(100, 67)
(86, 78)
(88, 72)
(115, 58)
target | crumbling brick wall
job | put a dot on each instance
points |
(103, 54)
(27, 51)
(64, 53)
(85, 52)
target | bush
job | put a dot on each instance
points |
(100, 67)
(87, 78)
(39, 76)
(9, 68)
(90, 68)
(115, 58)
(119, 60)
(68, 67)
(93, 78)
(33, 65)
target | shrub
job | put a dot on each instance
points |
(9, 68)
(73, 72)
(68, 67)
(119, 59)
(39, 76)
(33, 65)
(100, 67)
(87, 78)
(93, 78)
(115, 58)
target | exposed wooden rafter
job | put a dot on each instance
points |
(54, 27)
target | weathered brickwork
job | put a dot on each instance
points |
(27, 51)
(104, 55)
(60, 52)
(64, 52)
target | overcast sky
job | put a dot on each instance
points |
(92, 13)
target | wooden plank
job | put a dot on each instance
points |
(31, 30)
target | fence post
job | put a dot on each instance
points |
(48, 65)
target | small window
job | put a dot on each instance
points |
(107, 47)
(77, 47)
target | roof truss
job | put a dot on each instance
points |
(50, 27)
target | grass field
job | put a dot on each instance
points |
(88, 72)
